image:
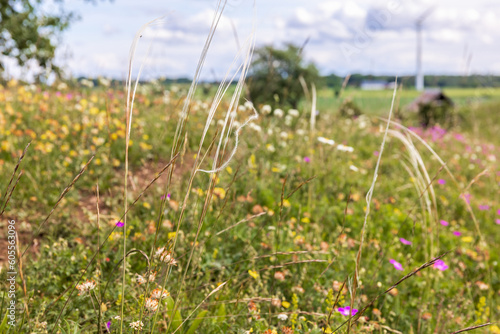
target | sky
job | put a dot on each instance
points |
(363, 36)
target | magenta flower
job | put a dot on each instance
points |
(376, 153)
(498, 212)
(307, 159)
(396, 264)
(404, 241)
(444, 223)
(441, 181)
(484, 207)
(457, 233)
(440, 265)
(119, 224)
(108, 326)
(347, 311)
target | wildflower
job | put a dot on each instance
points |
(86, 286)
(457, 233)
(439, 264)
(108, 326)
(466, 197)
(396, 264)
(151, 305)
(286, 330)
(347, 311)
(307, 159)
(354, 168)
(282, 317)
(293, 112)
(141, 279)
(326, 141)
(119, 224)
(280, 276)
(137, 325)
(484, 207)
(441, 181)
(157, 293)
(117, 317)
(498, 212)
(444, 222)
(497, 221)
(344, 148)
(248, 105)
(266, 109)
(253, 273)
(279, 113)
(404, 241)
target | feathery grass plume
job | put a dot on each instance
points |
(7, 193)
(423, 185)
(370, 194)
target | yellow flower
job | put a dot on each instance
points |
(146, 205)
(467, 239)
(286, 203)
(305, 220)
(220, 192)
(253, 273)
(171, 235)
(285, 304)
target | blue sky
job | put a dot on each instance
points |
(368, 36)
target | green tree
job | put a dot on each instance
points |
(28, 33)
(274, 76)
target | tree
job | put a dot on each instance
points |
(29, 34)
(274, 76)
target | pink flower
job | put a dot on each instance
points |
(440, 265)
(497, 221)
(441, 181)
(347, 311)
(498, 212)
(457, 233)
(404, 241)
(307, 159)
(376, 153)
(396, 264)
(444, 223)
(119, 224)
(484, 207)
(466, 197)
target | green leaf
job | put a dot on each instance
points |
(221, 313)
(3, 326)
(175, 318)
(197, 322)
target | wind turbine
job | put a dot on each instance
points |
(419, 78)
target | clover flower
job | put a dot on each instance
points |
(151, 305)
(158, 294)
(142, 279)
(282, 317)
(165, 256)
(86, 287)
(137, 325)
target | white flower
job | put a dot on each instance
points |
(241, 108)
(137, 325)
(142, 279)
(344, 148)
(293, 112)
(288, 120)
(270, 148)
(86, 286)
(284, 135)
(266, 109)
(354, 168)
(151, 305)
(279, 113)
(326, 141)
(248, 105)
(255, 127)
(282, 317)
(157, 293)
(301, 132)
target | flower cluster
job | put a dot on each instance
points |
(86, 286)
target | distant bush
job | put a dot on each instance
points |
(349, 109)
(275, 74)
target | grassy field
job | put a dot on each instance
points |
(268, 244)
